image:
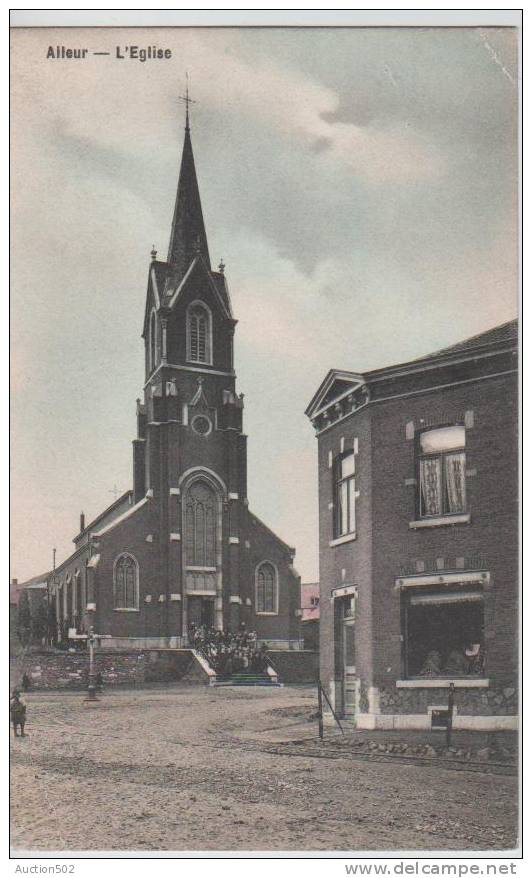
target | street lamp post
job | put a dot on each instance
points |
(91, 688)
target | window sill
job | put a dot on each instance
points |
(463, 518)
(264, 613)
(347, 538)
(126, 610)
(443, 683)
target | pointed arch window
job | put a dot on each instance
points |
(200, 525)
(199, 334)
(266, 589)
(153, 341)
(126, 583)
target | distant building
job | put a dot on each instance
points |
(310, 601)
(182, 547)
(15, 588)
(28, 606)
(310, 614)
(418, 496)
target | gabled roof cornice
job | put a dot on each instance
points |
(354, 379)
(363, 388)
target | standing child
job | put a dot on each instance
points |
(17, 710)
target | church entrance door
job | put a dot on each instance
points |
(201, 611)
(207, 612)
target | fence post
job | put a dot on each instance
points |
(450, 706)
(320, 711)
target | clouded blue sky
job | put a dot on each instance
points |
(360, 185)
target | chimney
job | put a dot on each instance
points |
(81, 521)
(14, 582)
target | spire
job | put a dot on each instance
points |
(188, 237)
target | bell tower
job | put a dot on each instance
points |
(190, 451)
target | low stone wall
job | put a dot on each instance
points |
(54, 669)
(294, 666)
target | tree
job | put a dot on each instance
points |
(39, 620)
(24, 618)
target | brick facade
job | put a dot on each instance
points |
(394, 554)
(189, 438)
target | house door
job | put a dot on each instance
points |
(350, 681)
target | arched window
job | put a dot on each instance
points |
(80, 605)
(153, 341)
(266, 589)
(200, 525)
(199, 334)
(126, 583)
(68, 598)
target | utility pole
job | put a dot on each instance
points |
(49, 637)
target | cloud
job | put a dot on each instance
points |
(362, 223)
(278, 96)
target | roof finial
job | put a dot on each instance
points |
(221, 267)
(187, 100)
(153, 253)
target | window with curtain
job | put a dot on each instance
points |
(344, 494)
(200, 525)
(199, 335)
(266, 589)
(442, 462)
(126, 592)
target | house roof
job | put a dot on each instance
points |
(36, 582)
(338, 383)
(506, 332)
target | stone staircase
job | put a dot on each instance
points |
(244, 678)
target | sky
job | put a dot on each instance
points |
(360, 185)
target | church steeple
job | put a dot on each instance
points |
(188, 236)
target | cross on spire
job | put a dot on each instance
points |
(187, 237)
(187, 101)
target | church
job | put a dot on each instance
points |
(182, 548)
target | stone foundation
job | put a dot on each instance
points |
(482, 701)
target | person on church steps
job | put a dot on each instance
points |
(229, 653)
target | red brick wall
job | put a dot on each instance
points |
(355, 557)
(385, 546)
(491, 450)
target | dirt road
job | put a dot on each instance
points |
(185, 769)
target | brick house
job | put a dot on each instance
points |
(418, 531)
(183, 546)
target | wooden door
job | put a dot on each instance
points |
(350, 678)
